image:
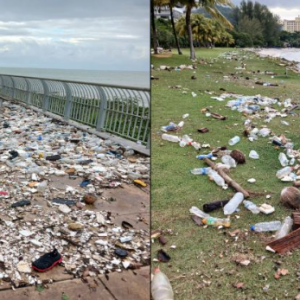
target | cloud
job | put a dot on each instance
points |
(112, 35)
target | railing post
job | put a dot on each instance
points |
(68, 107)
(28, 86)
(102, 111)
(148, 146)
(46, 95)
(13, 92)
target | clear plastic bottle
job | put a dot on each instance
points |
(251, 206)
(229, 161)
(233, 203)
(161, 288)
(217, 179)
(200, 171)
(196, 145)
(284, 172)
(216, 222)
(266, 226)
(234, 140)
(171, 138)
(199, 213)
(285, 228)
(202, 156)
(283, 159)
(186, 140)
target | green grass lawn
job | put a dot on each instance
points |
(202, 265)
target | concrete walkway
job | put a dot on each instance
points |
(129, 285)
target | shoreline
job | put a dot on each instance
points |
(280, 55)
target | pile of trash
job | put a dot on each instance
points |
(36, 217)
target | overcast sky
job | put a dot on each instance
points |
(76, 34)
(286, 9)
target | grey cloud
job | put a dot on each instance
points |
(290, 4)
(14, 10)
(111, 35)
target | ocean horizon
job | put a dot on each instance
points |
(124, 78)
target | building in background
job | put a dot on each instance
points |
(292, 25)
(164, 12)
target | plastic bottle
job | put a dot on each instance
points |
(234, 140)
(200, 171)
(285, 228)
(266, 226)
(199, 213)
(216, 222)
(228, 160)
(252, 207)
(217, 179)
(283, 159)
(186, 140)
(196, 145)
(202, 156)
(171, 138)
(283, 172)
(161, 288)
(233, 203)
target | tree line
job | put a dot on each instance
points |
(252, 25)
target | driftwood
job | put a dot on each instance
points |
(287, 243)
(227, 179)
(296, 219)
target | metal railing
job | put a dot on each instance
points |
(120, 110)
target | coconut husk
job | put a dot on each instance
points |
(290, 197)
(238, 156)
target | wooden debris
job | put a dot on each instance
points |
(296, 219)
(287, 243)
(227, 179)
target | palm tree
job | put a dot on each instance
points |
(210, 7)
(154, 34)
(172, 3)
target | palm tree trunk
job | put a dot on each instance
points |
(154, 36)
(174, 30)
(189, 30)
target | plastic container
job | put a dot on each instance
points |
(284, 172)
(285, 228)
(161, 288)
(217, 179)
(233, 203)
(283, 159)
(251, 206)
(170, 138)
(229, 161)
(216, 222)
(253, 154)
(266, 226)
(180, 124)
(200, 171)
(234, 140)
